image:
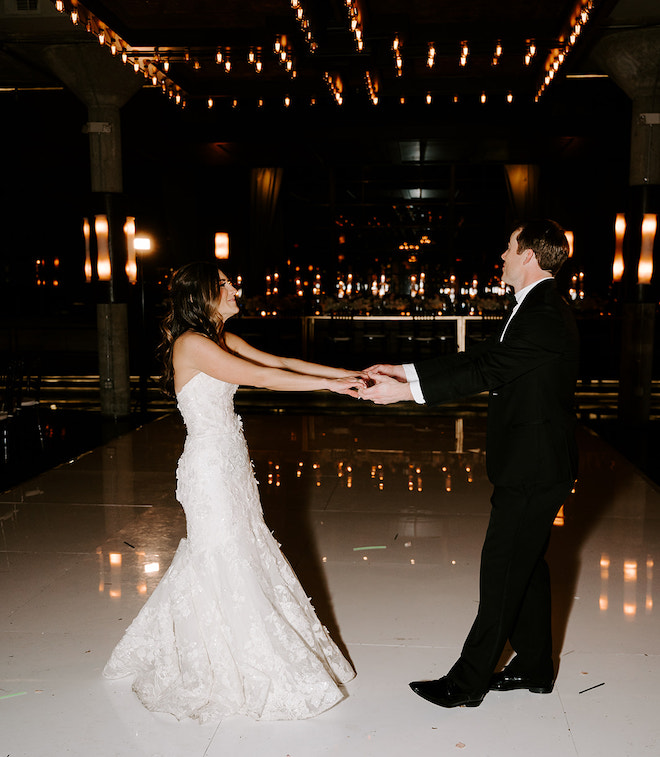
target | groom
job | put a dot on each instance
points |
(530, 371)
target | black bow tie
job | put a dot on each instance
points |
(511, 299)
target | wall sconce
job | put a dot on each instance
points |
(142, 244)
(87, 234)
(620, 232)
(131, 263)
(570, 238)
(645, 267)
(222, 245)
(103, 266)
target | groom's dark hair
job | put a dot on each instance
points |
(547, 241)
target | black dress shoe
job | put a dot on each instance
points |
(504, 681)
(446, 693)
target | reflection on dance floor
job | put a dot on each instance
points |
(382, 517)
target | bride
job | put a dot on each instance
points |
(229, 629)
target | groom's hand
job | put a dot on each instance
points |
(386, 390)
(384, 369)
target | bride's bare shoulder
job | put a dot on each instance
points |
(192, 341)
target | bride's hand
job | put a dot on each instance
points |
(350, 385)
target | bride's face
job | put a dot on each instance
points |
(227, 305)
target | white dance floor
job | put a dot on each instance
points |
(382, 517)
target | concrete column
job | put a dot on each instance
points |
(632, 59)
(104, 84)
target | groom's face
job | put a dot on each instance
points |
(512, 270)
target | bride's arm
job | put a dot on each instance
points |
(194, 353)
(240, 347)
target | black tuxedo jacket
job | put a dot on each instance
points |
(530, 377)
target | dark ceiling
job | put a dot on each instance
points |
(509, 45)
(391, 169)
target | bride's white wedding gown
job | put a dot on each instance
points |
(229, 629)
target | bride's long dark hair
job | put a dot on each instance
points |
(194, 294)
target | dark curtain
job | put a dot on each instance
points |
(522, 181)
(265, 225)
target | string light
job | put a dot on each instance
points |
(557, 56)
(372, 88)
(335, 86)
(465, 51)
(198, 56)
(498, 53)
(305, 25)
(398, 60)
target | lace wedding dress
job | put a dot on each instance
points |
(229, 629)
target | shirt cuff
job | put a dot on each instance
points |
(416, 389)
(411, 372)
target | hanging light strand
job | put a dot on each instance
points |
(140, 60)
(398, 59)
(372, 88)
(579, 18)
(305, 25)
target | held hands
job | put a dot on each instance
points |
(351, 385)
(382, 369)
(386, 384)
